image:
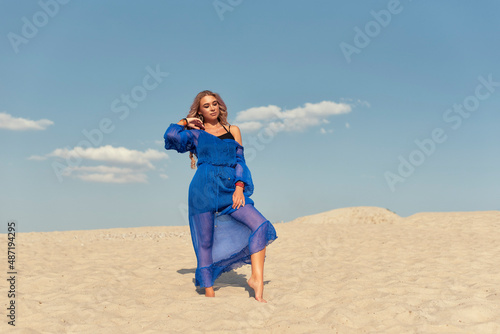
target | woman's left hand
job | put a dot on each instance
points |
(238, 198)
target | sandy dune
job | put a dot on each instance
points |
(352, 270)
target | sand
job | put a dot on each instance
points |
(352, 270)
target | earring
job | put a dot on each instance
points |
(201, 117)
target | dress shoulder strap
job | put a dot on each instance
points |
(225, 127)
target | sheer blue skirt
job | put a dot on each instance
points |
(224, 241)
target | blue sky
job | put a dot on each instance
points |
(375, 103)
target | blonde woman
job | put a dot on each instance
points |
(227, 231)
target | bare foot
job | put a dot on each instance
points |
(209, 292)
(258, 288)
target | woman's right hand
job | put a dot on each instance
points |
(195, 123)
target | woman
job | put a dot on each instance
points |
(226, 229)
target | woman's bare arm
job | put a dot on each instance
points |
(238, 197)
(235, 131)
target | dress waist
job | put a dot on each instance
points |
(220, 164)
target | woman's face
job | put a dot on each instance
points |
(209, 108)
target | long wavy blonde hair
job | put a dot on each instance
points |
(194, 112)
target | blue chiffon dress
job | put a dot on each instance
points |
(223, 238)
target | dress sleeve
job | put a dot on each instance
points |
(179, 139)
(242, 172)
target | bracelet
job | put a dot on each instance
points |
(185, 119)
(241, 184)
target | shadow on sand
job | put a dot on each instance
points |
(230, 278)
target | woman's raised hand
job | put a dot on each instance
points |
(195, 123)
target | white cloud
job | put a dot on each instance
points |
(324, 131)
(132, 168)
(358, 102)
(102, 169)
(249, 126)
(107, 174)
(259, 113)
(347, 125)
(9, 122)
(37, 157)
(363, 103)
(164, 176)
(348, 99)
(111, 154)
(114, 178)
(297, 119)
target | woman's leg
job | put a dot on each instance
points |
(204, 231)
(256, 281)
(252, 218)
